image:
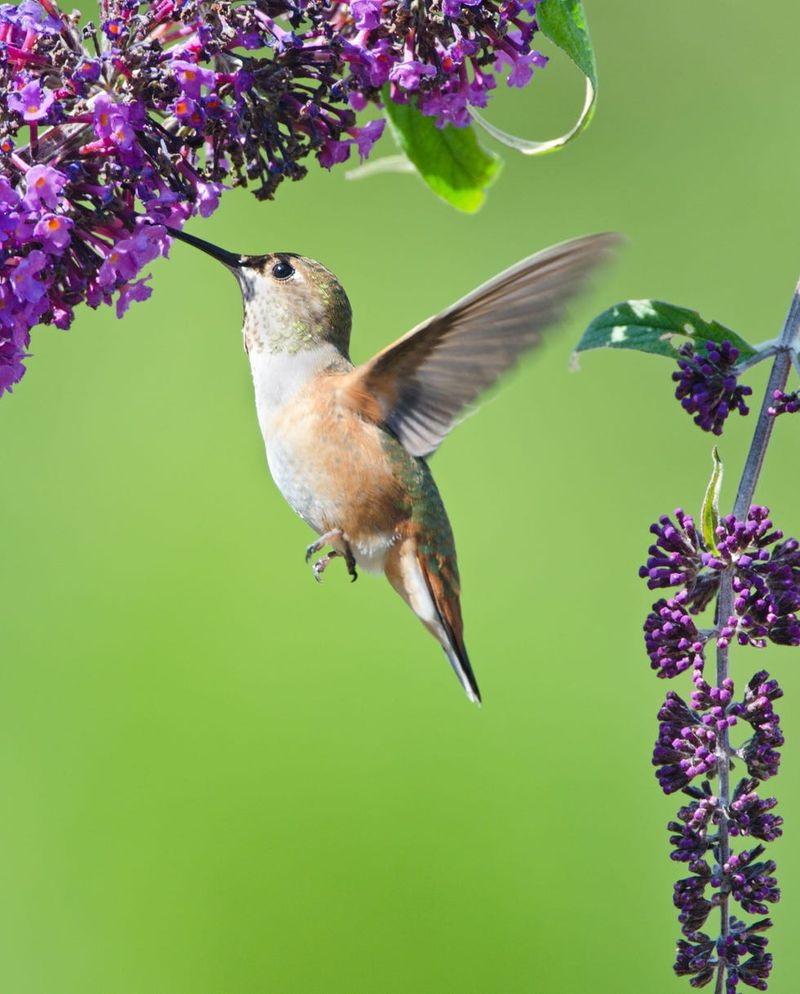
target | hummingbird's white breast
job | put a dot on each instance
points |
(324, 460)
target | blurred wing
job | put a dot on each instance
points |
(420, 385)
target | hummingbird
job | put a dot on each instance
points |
(348, 446)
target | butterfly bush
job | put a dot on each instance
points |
(727, 585)
(720, 833)
(111, 131)
(702, 738)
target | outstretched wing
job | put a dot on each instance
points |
(420, 385)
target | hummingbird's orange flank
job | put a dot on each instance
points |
(348, 446)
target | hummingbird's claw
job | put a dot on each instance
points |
(321, 564)
(350, 562)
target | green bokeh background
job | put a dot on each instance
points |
(220, 778)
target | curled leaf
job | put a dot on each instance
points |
(709, 513)
(564, 23)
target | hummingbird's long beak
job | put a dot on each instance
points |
(229, 259)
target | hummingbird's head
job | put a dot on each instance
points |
(291, 303)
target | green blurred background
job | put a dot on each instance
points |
(220, 778)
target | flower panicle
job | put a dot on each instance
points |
(701, 740)
(111, 132)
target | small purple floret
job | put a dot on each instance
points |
(671, 637)
(784, 403)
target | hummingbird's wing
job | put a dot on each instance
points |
(420, 385)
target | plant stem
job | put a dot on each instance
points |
(744, 496)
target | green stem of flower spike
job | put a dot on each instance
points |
(784, 352)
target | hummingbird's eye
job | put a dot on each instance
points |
(282, 270)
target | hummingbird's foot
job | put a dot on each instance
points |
(321, 565)
(335, 535)
(350, 562)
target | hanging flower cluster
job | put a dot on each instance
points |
(110, 131)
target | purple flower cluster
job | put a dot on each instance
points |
(741, 953)
(690, 746)
(689, 734)
(766, 582)
(448, 53)
(110, 132)
(707, 384)
(694, 744)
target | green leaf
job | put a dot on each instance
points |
(709, 513)
(450, 160)
(655, 327)
(564, 23)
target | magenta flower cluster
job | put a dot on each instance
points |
(109, 132)
(695, 742)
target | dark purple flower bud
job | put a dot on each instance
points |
(671, 637)
(760, 752)
(742, 954)
(750, 814)
(707, 386)
(765, 614)
(690, 832)
(743, 543)
(784, 403)
(751, 883)
(755, 970)
(674, 560)
(689, 897)
(696, 959)
(761, 757)
(685, 748)
(756, 708)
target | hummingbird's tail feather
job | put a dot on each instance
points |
(456, 653)
(432, 594)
